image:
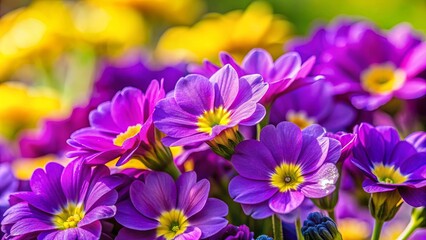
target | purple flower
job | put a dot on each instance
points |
(322, 39)
(346, 141)
(418, 140)
(287, 165)
(8, 185)
(133, 70)
(283, 75)
(202, 108)
(319, 108)
(52, 137)
(6, 153)
(160, 208)
(120, 128)
(64, 203)
(232, 232)
(369, 66)
(390, 164)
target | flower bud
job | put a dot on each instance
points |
(264, 237)
(318, 227)
(384, 205)
(224, 144)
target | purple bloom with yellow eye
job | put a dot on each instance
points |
(202, 108)
(285, 74)
(303, 111)
(160, 208)
(64, 203)
(120, 128)
(286, 166)
(369, 66)
(390, 164)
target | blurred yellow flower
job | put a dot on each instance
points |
(111, 29)
(235, 32)
(36, 35)
(31, 33)
(176, 11)
(23, 108)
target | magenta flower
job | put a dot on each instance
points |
(160, 208)
(390, 164)
(285, 74)
(64, 203)
(284, 167)
(120, 129)
(367, 65)
(202, 108)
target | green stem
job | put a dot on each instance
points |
(377, 230)
(263, 123)
(411, 227)
(299, 229)
(172, 170)
(277, 228)
(332, 215)
(258, 129)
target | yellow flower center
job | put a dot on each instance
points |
(301, 119)
(172, 224)
(69, 217)
(129, 133)
(287, 177)
(382, 78)
(214, 117)
(388, 174)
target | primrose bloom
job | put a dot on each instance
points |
(390, 164)
(160, 208)
(122, 128)
(370, 66)
(202, 109)
(285, 74)
(285, 166)
(297, 108)
(64, 203)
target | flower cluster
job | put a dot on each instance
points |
(244, 146)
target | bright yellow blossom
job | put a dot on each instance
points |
(110, 29)
(36, 35)
(23, 108)
(176, 11)
(236, 32)
(32, 33)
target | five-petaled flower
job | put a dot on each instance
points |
(285, 166)
(160, 208)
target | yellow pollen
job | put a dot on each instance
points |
(301, 119)
(287, 177)
(382, 78)
(69, 217)
(172, 224)
(128, 134)
(388, 174)
(211, 118)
